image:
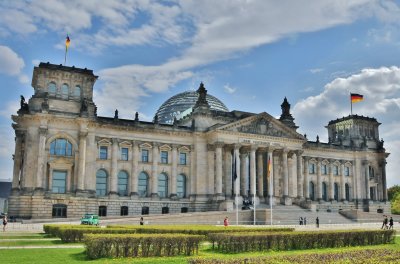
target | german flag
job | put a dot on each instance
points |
(355, 98)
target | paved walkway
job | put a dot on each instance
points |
(29, 247)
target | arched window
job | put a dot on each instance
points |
(324, 192)
(143, 184)
(181, 186)
(162, 185)
(61, 147)
(311, 191)
(122, 183)
(336, 192)
(347, 190)
(59, 211)
(64, 91)
(77, 92)
(51, 88)
(101, 183)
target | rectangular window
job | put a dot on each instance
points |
(324, 169)
(347, 171)
(124, 153)
(311, 168)
(336, 170)
(182, 158)
(164, 157)
(103, 152)
(59, 181)
(145, 155)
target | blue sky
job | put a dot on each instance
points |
(249, 54)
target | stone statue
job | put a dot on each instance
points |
(116, 114)
(136, 116)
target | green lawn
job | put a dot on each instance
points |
(77, 255)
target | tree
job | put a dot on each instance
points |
(392, 192)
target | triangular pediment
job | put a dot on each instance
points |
(262, 124)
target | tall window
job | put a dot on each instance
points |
(324, 169)
(162, 185)
(122, 183)
(165, 210)
(181, 186)
(103, 152)
(346, 171)
(347, 190)
(182, 158)
(64, 91)
(336, 191)
(59, 181)
(311, 168)
(335, 170)
(101, 183)
(124, 210)
(143, 184)
(124, 153)
(371, 172)
(164, 157)
(311, 191)
(324, 192)
(102, 210)
(145, 155)
(77, 92)
(61, 147)
(59, 211)
(51, 88)
(145, 210)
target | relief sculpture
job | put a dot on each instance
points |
(262, 127)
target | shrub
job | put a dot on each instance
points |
(140, 245)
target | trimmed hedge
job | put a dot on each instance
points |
(197, 229)
(53, 229)
(352, 256)
(240, 242)
(141, 245)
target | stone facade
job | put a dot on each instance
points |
(69, 161)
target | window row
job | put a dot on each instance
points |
(312, 169)
(312, 191)
(64, 91)
(102, 182)
(60, 210)
(144, 157)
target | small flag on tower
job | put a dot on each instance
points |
(67, 42)
(355, 98)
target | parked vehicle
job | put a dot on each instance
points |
(90, 219)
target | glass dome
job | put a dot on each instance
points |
(181, 105)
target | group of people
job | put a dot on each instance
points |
(302, 221)
(387, 221)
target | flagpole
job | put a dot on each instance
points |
(254, 202)
(351, 106)
(270, 185)
(236, 185)
(65, 56)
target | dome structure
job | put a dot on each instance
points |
(182, 104)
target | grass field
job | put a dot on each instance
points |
(77, 255)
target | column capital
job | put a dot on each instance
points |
(210, 147)
(156, 144)
(43, 131)
(219, 144)
(115, 140)
(175, 146)
(83, 134)
(253, 148)
(299, 152)
(237, 146)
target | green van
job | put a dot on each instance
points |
(90, 219)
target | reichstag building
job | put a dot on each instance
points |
(194, 156)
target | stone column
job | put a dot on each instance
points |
(135, 170)
(342, 182)
(300, 177)
(114, 168)
(218, 180)
(331, 181)
(366, 168)
(237, 169)
(174, 170)
(243, 173)
(285, 173)
(40, 159)
(228, 173)
(210, 181)
(306, 179)
(253, 170)
(319, 180)
(154, 171)
(384, 185)
(82, 161)
(260, 174)
(19, 137)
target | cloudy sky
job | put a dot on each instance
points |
(250, 54)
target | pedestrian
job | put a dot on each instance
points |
(301, 220)
(317, 222)
(5, 221)
(385, 222)
(391, 223)
(141, 222)
(226, 222)
(305, 220)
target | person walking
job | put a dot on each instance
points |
(141, 222)
(301, 220)
(317, 222)
(305, 220)
(391, 223)
(385, 222)
(226, 221)
(5, 221)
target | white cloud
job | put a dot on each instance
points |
(229, 89)
(10, 62)
(381, 90)
(316, 70)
